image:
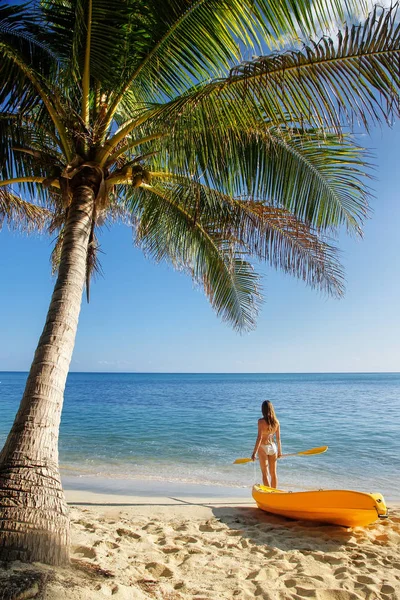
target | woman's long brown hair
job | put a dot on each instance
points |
(269, 415)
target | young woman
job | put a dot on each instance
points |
(268, 450)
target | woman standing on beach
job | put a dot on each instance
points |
(268, 450)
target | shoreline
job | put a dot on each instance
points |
(153, 488)
(150, 488)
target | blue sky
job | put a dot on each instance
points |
(147, 317)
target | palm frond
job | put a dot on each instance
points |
(28, 150)
(20, 32)
(290, 245)
(188, 41)
(21, 214)
(317, 177)
(93, 265)
(165, 230)
(269, 233)
(328, 84)
(119, 32)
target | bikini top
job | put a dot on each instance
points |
(267, 437)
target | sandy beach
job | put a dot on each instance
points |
(175, 548)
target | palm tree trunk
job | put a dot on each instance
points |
(34, 521)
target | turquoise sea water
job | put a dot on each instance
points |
(189, 428)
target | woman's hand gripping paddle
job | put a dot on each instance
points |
(319, 450)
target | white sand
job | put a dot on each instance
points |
(129, 548)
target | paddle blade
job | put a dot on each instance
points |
(241, 461)
(265, 488)
(319, 450)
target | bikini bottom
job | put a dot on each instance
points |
(270, 448)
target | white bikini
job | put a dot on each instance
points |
(269, 447)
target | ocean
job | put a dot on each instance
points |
(187, 429)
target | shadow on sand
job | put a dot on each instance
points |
(261, 528)
(265, 529)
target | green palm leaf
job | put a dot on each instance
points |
(318, 177)
(166, 230)
(20, 44)
(248, 228)
(326, 85)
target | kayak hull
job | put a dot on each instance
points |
(336, 507)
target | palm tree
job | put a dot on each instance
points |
(126, 109)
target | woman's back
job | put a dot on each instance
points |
(267, 431)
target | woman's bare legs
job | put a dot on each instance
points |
(263, 458)
(272, 460)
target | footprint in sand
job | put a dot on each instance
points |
(180, 527)
(387, 589)
(159, 570)
(268, 574)
(370, 554)
(127, 533)
(260, 592)
(106, 544)
(207, 528)
(161, 541)
(179, 586)
(305, 592)
(88, 526)
(236, 533)
(84, 551)
(171, 550)
(290, 583)
(335, 594)
(394, 519)
(106, 589)
(188, 539)
(365, 579)
(316, 577)
(329, 558)
(265, 552)
(152, 527)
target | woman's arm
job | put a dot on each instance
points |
(258, 442)
(278, 440)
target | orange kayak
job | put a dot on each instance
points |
(337, 507)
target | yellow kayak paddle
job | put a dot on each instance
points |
(319, 450)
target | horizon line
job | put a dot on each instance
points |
(225, 372)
